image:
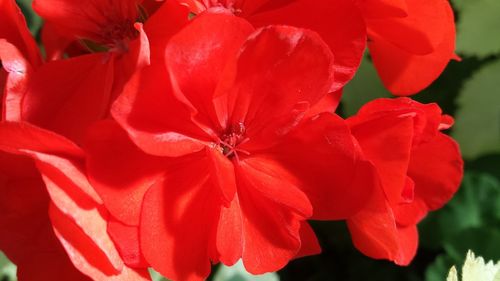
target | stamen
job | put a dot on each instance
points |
(230, 141)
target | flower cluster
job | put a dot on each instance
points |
(180, 134)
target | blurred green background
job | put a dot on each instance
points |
(470, 91)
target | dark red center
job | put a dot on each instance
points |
(235, 135)
(118, 35)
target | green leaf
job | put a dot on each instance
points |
(458, 4)
(477, 126)
(476, 205)
(7, 269)
(32, 19)
(438, 270)
(477, 29)
(366, 86)
(484, 240)
(237, 272)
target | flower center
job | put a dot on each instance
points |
(114, 36)
(231, 5)
(118, 35)
(231, 139)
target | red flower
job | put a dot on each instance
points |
(339, 23)
(27, 237)
(107, 23)
(406, 37)
(76, 101)
(38, 217)
(419, 170)
(410, 41)
(224, 161)
(70, 214)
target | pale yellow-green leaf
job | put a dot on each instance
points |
(453, 275)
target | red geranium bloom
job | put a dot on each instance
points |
(410, 41)
(339, 23)
(419, 170)
(76, 100)
(35, 226)
(223, 157)
(77, 218)
(27, 237)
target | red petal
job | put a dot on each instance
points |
(383, 8)
(322, 155)
(427, 117)
(397, 66)
(271, 233)
(137, 57)
(54, 43)
(373, 229)
(230, 235)
(21, 137)
(160, 33)
(83, 231)
(157, 122)
(69, 172)
(410, 213)
(222, 174)
(327, 104)
(87, 19)
(408, 243)
(120, 172)
(281, 71)
(178, 223)
(195, 6)
(18, 72)
(375, 233)
(268, 179)
(14, 30)
(27, 237)
(309, 244)
(447, 122)
(196, 58)
(265, 233)
(323, 16)
(436, 168)
(76, 100)
(85, 255)
(387, 143)
(261, 225)
(127, 242)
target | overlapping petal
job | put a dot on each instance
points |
(15, 31)
(91, 19)
(27, 237)
(339, 175)
(339, 23)
(76, 213)
(419, 169)
(120, 172)
(177, 224)
(411, 52)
